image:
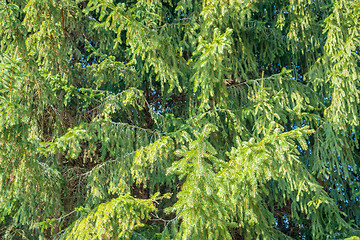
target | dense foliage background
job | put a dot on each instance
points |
(179, 119)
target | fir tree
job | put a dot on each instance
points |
(179, 119)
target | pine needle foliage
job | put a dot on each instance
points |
(179, 119)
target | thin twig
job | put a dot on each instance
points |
(134, 126)
(103, 164)
(157, 218)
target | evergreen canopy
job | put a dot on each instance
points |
(179, 119)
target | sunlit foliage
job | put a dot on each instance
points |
(179, 119)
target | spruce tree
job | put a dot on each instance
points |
(179, 119)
